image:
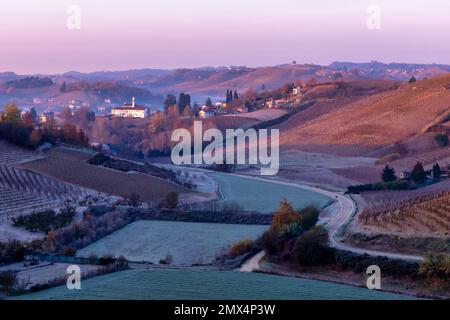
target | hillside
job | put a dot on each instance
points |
(214, 81)
(372, 122)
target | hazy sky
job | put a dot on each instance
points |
(117, 35)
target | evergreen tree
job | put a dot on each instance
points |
(170, 100)
(208, 102)
(183, 101)
(388, 174)
(418, 174)
(436, 171)
(33, 114)
(229, 96)
(235, 95)
(63, 87)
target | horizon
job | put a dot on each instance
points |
(173, 34)
(218, 66)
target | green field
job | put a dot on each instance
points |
(265, 196)
(187, 242)
(207, 285)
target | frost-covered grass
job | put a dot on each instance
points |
(207, 285)
(265, 196)
(187, 242)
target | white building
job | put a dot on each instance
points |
(130, 111)
(46, 116)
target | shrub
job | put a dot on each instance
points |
(271, 242)
(394, 185)
(106, 259)
(13, 251)
(435, 265)
(171, 200)
(168, 259)
(8, 280)
(46, 220)
(309, 216)
(286, 214)
(311, 248)
(70, 251)
(134, 200)
(92, 258)
(241, 247)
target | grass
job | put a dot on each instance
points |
(187, 242)
(265, 196)
(206, 285)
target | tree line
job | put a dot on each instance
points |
(24, 130)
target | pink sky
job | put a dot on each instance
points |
(117, 35)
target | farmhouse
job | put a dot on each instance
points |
(130, 111)
(46, 116)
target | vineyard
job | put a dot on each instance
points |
(70, 166)
(23, 192)
(10, 154)
(429, 214)
(371, 123)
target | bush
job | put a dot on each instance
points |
(394, 185)
(106, 259)
(46, 220)
(70, 251)
(241, 247)
(435, 265)
(8, 280)
(99, 159)
(92, 258)
(311, 248)
(309, 216)
(271, 242)
(167, 260)
(13, 251)
(134, 200)
(171, 201)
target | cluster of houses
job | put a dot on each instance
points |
(286, 102)
(134, 110)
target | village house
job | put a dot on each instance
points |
(207, 112)
(46, 116)
(130, 110)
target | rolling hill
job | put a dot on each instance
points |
(372, 122)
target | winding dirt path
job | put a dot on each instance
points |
(347, 209)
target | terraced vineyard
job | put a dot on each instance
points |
(429, 215)
(70, 166)
(11, 154)
(428, 158)
(206, 285)
(23, 192)
(372, 122)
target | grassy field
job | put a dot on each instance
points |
(187, 242)
(265, 196)
(71, 166)
(207, 285)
